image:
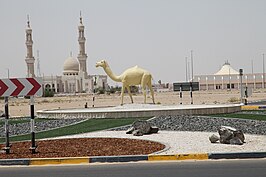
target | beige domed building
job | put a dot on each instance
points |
(75, 78)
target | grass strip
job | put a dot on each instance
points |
(89, 125)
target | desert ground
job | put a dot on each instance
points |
(19, 107)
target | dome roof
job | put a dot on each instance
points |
(226, 70)
(71, 65)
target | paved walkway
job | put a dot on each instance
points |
(187, 142)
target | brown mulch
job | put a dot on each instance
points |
(81, 147)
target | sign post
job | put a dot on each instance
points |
(20, 87)
(94, 91)
(180, 93)
(186, 86)
(241, 89)
(7, 147)
(32, 125)
(191, 90)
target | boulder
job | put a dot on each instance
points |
(230, 135)
(214, 138)
(236, 141)
(130, 130)
(239, 134)
(154, 129)
(137, 133)
(225, 135)
(143, 126)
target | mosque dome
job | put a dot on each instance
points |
(226, 70)
(71, 66)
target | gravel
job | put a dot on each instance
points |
(25, 128)
(169, 123)
(204, 124)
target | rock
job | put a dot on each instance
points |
(239, 134)
(229, 128)
(236, 141)
(214, 138)
(143, 126)
(225, 135)
(230, 135)
(137, 133)
(154, 129)
(130, 130)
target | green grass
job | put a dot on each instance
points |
(83, 127)
(242, 116)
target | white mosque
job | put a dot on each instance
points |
(75, 78)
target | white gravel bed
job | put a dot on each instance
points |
(186, 142)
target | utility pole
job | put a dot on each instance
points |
(38, 64)
(186, 69)
(7, 72)
(252, 71)
(192, 75)
(263, 70)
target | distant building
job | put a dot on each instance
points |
(228, 78)
(75, 78)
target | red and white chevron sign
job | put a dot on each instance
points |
(20, 87)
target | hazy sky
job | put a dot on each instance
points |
(154, 34)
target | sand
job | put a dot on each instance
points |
(20, 106)
(186, 142)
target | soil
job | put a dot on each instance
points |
(82, 147)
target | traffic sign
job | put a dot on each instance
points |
(21, 87)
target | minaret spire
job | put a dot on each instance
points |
(29, 43)
(80, 17)
(28, 22)
(82, 56)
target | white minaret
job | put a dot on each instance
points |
(82, 56)
(29, 58)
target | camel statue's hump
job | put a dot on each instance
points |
(136, 68)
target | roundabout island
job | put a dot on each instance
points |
(138, 110)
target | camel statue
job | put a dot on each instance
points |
(130, 77)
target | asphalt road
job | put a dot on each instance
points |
(262, 102)
(210, 168)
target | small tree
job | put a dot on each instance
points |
(48, 93)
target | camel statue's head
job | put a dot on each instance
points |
(101, 63)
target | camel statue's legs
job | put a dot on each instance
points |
(143, 86)
(122, 94)
(129, 92)
(152, 92)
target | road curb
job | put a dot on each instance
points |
(10, 162)
(240, 155)
(131, 158)
(203, 156)
(55, 161)
(127, 158)
(253, 107)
